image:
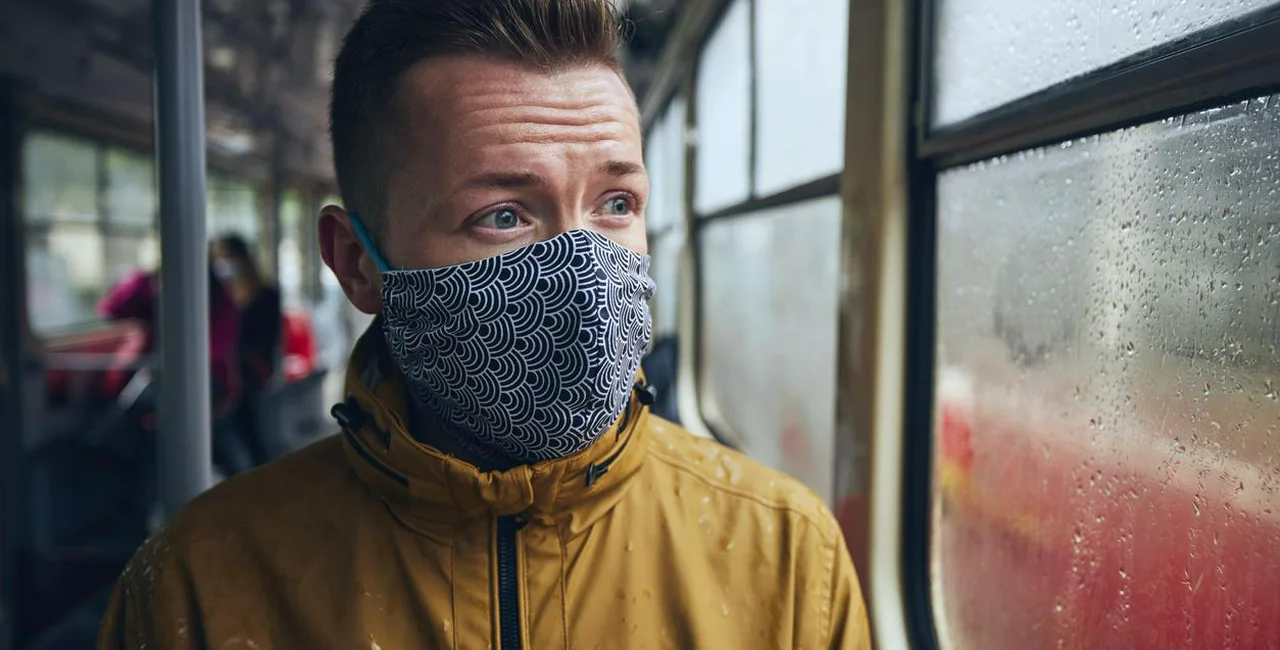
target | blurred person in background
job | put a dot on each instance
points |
(260, 326)
(500, 480)
(137, 297)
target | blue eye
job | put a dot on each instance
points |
(618, 206)
(502, 219)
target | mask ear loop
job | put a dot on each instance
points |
(362, 234)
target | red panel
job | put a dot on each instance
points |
(299, 346)
(1047, 541)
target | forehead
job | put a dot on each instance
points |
(459, 107)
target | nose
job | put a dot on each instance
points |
(566, 218)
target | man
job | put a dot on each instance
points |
(499, 482)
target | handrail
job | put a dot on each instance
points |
(185, 449)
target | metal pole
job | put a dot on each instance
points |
(184, 440)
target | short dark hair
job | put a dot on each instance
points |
(392, 36)
(237, 248)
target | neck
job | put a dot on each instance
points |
(429, 430)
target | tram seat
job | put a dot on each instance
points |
(80, 477)
(291, 414)
(660, 369)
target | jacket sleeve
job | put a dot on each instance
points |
(120, 630)
(130, 298)
(151, 607)
(849, 627)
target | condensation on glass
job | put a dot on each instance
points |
(724, 113)
(665, 214)
(769, 312)
(800, 67)
(1108, 391)
(990, 52)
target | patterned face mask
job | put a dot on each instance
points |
(529, 355)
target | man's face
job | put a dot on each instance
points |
(487, 157)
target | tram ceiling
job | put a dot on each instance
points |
(265, 66)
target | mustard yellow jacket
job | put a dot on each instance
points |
(651, 538)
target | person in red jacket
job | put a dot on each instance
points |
(137, 297)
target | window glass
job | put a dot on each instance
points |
(131, 188)
(60, 178)
(724, 113)
(665, 271)
(800, 63)
(233, 207)
(52, 300)
(290, 251)
(1108, 390)
(664, 159)
(1039, 43)
(65, 275)
(665, 215)
(127, 253)
(769, 311)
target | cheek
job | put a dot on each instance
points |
(640, 237)
(632, 237)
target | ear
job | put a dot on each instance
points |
(350, 263)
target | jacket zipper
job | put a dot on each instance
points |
(509, 582)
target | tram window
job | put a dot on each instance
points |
(131, 189)
(127, 253)
(724, 113)
(64, 275)
(1108, 360)
(664, 153)
(132, 239)
(290, 255)
(89, 217)
(768, 311)
(233, 206)
(60, 178)
(1039, 43)
(800, 91)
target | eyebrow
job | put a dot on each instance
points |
(504, 180)
(619, 169)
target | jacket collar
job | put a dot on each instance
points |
(424, 485)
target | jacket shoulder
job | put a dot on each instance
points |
(212, 550)
(734, 475)
(269, 497)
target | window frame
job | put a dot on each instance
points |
(1227, 62)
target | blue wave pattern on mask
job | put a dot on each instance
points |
(532, 353)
